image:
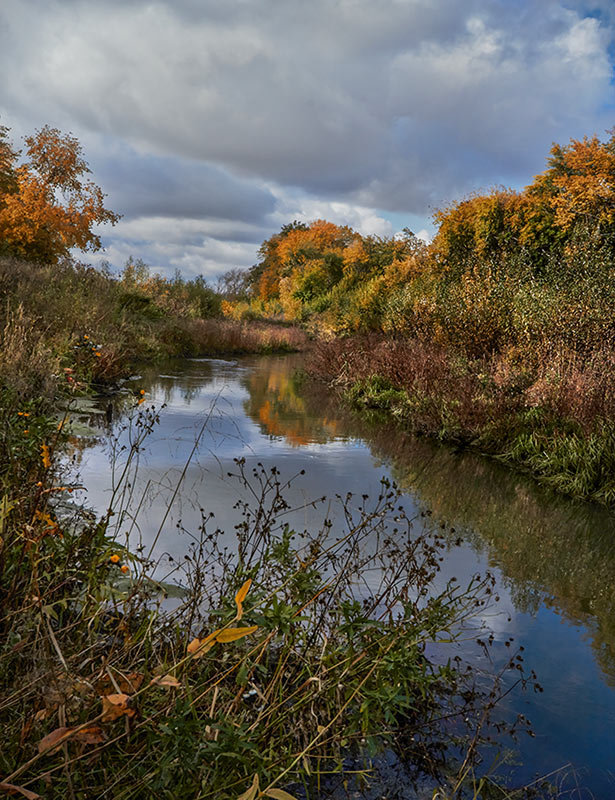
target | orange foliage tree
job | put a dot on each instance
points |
(47, 204)
(312, 252)
(579, 184)
(576, 193)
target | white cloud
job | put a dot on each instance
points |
(305, 208)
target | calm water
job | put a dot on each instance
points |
(554, 559)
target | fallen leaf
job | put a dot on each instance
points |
(167, 680)
(116, 705)
(129, 683)
(233, 634)
(25, 731)
(93, 734)
(42, 713)
(10, 788)
(48, 744)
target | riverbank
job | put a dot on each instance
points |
(498, 334)
(105, 688)
(555, 422)
(72, 323)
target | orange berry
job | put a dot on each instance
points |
(114, 558)
(124, 568)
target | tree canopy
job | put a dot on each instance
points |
(47, 203)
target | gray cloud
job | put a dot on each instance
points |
(211, 111)
(149, 185)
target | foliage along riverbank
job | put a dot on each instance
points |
(64, 321)
(69, 323)
(500, 334)
(469, 404)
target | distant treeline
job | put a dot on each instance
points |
(506, 269)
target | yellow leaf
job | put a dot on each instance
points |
(243, 592)
(198, 647)
(279, 794)
(241, 596)
(233, 634)
(250, 794)
(45, 456)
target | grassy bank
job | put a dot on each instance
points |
(266, 672)
(555, 422)
(69, 322)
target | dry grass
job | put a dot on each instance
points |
(76, 317)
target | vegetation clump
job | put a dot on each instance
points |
(276, 660)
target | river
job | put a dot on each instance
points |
(554, 559)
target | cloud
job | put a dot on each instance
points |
(305, 208)
(247, 111)
(167, 245)
(149, 185)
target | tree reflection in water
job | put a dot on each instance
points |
(552, 551)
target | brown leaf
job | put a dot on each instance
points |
(25, 731)
(167, 680)
(9, 788)
(48, 743)
(93, 734)
(114, 706)
(129, 683)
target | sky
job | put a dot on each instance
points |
(212, 123)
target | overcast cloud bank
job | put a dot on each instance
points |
(212, 124)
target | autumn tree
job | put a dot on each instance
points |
(47, 204)
(579, 184)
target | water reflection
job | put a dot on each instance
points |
(554, 559)
(551, 551)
